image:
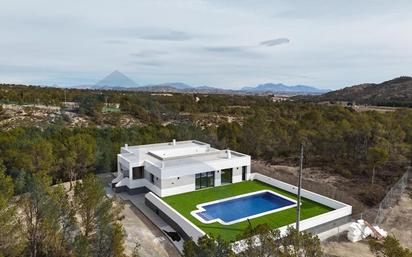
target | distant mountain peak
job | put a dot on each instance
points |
(116, 79)
(281, 88)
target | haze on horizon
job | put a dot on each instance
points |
(229, 44)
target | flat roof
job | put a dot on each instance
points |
(202, 158)
(176, 153)
(181, 151)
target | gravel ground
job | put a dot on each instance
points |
(397, 223)
(139, 229)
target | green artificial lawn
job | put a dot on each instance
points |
(185, 203)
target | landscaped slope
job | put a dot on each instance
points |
(185, 203)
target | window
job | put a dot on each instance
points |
(206, 179)
(138, 172)
(124, 171)
(226, 177)
(152, 178)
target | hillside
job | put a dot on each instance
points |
(395, 92)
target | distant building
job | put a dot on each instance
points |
(112, 105)
(161, 94)
(70, 105)
(279, 98)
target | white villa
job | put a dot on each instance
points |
(177, 167)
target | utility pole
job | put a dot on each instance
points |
(299, 188)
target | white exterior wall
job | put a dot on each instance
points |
(198, 167)
(178, 185)
(237, 174)
(218, 178)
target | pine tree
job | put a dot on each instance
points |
(10, 230)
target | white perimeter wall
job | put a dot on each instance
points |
(186, 225)
(341, 209)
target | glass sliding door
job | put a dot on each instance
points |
(226, 176)
(210, 179)
(198, 184)
(206, 179)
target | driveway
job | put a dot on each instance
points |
(153, 243)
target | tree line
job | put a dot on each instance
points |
(373, 148)
(47, 221)
(261, 241)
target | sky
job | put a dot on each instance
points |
(230, 44)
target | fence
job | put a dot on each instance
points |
(374, 215)
(392, 196)
(313, 186)
(378, 214)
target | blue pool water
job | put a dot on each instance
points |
(243, 207)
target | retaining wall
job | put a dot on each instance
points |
(185, 227)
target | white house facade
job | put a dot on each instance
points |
(178, 167)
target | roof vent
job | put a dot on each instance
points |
(126, 146)
(174, 142)
(229, 154)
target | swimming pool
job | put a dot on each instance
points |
(242, 207)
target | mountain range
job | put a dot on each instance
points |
(119, 81)
(270, 87)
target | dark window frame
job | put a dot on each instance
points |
(138, 172)
(224, 176)
(205, 180)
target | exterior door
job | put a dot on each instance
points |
(244, 172)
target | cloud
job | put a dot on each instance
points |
(149, 53)
(207, 42)
(275, 42)
(233, 51)
(172, 35)
(225, 49)
(148, 63)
